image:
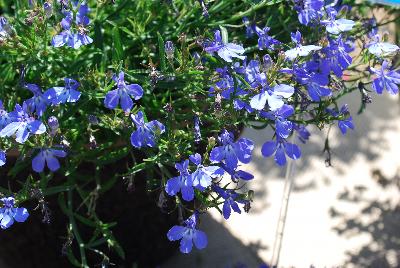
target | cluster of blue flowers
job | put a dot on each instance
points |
(308, 67)
(74, 25)
(26, 120)
(281, 89)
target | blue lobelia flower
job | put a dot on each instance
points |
(4, 117)
(252, 73)
(47, 156)
(123, 94)
(336, 26)
(230, 202)
(188, 234)
(182, 183)
(386, 79)
(9, 213)
(226, 51)
(225, 85)
(22, 124)
(237, 174)
(281, 148)
(202, 177)
(347, 122)
(38, 103)
(231, 152)
(337, 55)
(75, 33)
(283, 127)
(315, 82)
(68, 93)
(274, 97)
(309, 11)
(302, 133)
(264, 40)
(145, 133)
(299, 50)
(380, 49)
(240, 105)
(2, 158)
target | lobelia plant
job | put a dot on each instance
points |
(169, 112)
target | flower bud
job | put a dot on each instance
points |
(267, 62)
(48, 9)
(169, 50)
(4, 26)
(53, 123)
(93, 119)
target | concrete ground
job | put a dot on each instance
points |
(347, 215)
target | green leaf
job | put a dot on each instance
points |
(56, 189)
(85, 220)
(161, 48)
(118, 49)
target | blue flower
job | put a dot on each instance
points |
(237, 174)
(299, 50)
(2, 158)
(68, 93)
(253, 74)
(4, 117)
(9, 213)
(203, 176)
(230, 203)
(240, 105)
(347, 122)
(283, 127)
(225, 85)
(188, 234)
(22, 125)
(334, 26)
(48, 156)
(273, 96)
(182, 183)
(380, 49)
(71, 37)
(38, 103)
(231, 152)
(386, 79)
(123, 94)
(315, 82)
(264, 40)
(281, 148)
(146, 133)
(337, 56)
(226, 51)
(309, 10)
(302, 133)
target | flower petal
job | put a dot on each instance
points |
(176, 233)
(21, 214)
(200, 239)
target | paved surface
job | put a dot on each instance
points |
(346, 215)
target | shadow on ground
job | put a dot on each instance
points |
(378, 218)
(223, 250)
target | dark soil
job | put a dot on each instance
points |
(141, 228)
